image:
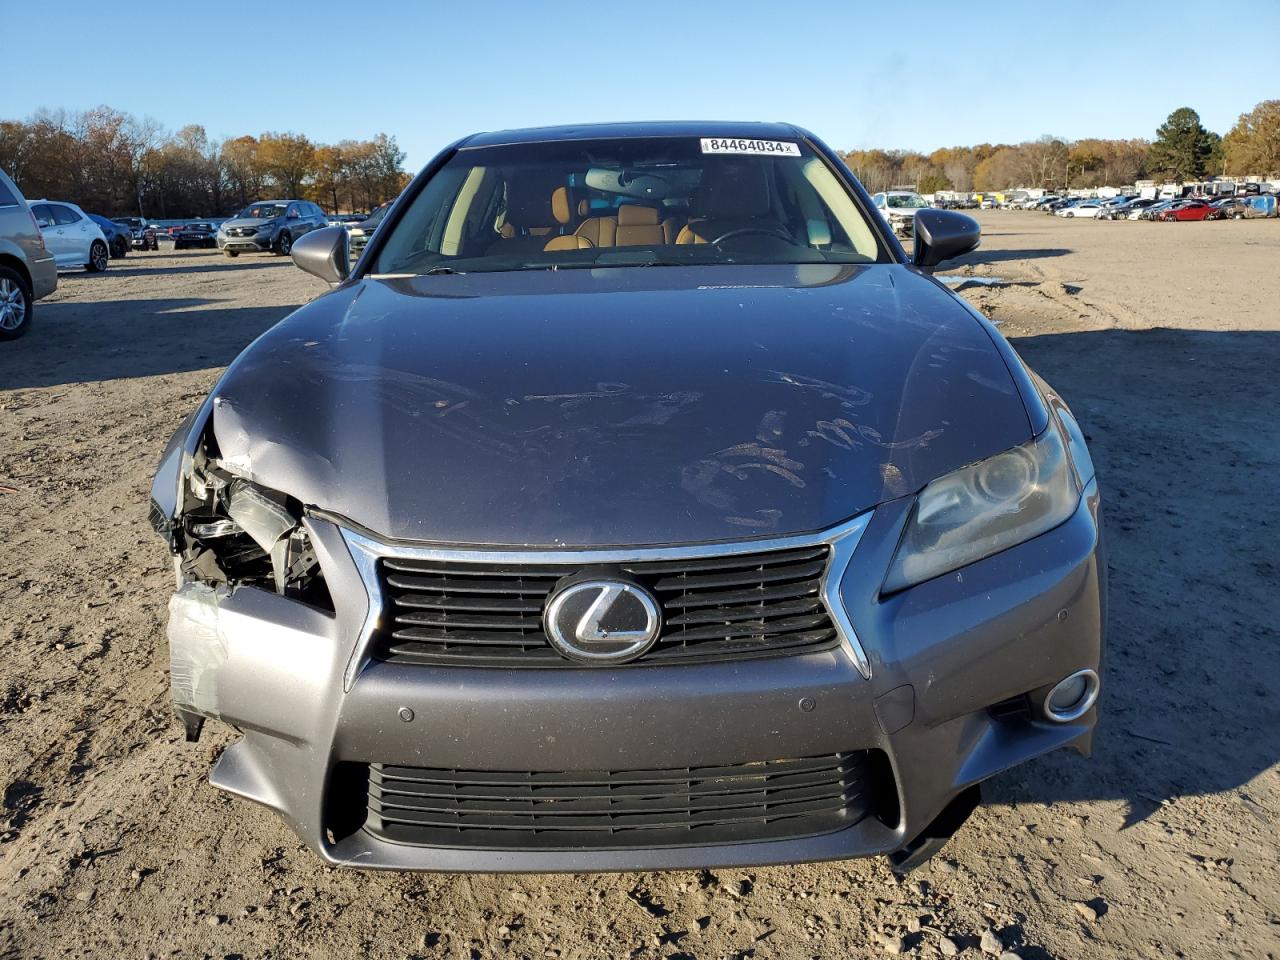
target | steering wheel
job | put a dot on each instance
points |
(766, 231)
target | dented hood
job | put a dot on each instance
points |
(617, 406)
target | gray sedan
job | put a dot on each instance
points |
(635, 502)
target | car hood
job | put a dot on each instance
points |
(248, 222)
(617, 406)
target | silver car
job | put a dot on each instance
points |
(27, 269)
(269, 226)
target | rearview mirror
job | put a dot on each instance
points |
(943, 234)
(324, 253)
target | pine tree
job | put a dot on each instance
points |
(1183, 147)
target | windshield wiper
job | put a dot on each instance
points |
(441, 270)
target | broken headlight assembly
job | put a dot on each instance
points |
(233, 532)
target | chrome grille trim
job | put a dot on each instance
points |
(843, 540)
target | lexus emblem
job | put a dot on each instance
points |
(602, 621)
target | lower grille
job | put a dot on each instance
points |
(765, 800)
(719, 607)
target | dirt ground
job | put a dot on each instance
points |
(1165, 338)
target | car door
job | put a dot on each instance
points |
(76, 230)
(315, 217)
(294, 221)
(56, 239)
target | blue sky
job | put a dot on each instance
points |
(915, 76)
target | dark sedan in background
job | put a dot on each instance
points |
(198, 234)
(636, 502)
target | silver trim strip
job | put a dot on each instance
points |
(842, 539)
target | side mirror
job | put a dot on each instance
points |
(943, 234)
(324, 253)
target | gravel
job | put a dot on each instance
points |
(1167, 350)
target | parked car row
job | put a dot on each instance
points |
(1151, 208)
(41, 237)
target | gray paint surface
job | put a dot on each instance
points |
(618, 406)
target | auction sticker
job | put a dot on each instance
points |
(766, 148)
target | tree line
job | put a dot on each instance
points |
(116, 164)
(1182, 150)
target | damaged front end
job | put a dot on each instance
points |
(226, 533)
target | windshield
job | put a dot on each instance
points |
(263, 211)
(906, 201)
(658, 201)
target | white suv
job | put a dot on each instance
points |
(69, 234)
(899, 207)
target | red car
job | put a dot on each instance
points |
(1189, 210)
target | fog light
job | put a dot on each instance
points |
(1072, 696)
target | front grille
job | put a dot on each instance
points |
(765, 800)
(485, 614)
(241, 231)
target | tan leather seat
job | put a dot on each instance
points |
(562, 210)
(601, 231)
(638, 227)
(733, 195)
(534, 219)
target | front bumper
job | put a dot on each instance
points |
(941, 656)
(260, 243)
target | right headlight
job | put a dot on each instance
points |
(986, 507)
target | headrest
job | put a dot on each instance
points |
(733, 189)
(584, 207)
(529, 203)
(560, 208)
(631, 215)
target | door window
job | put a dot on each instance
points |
(43, 215)
(64, 216)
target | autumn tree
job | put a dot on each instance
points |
(288, 159)
(1252, 146)
(331, 175)
(238, 158)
